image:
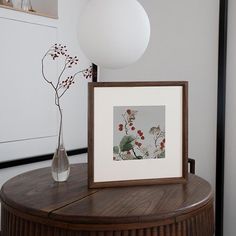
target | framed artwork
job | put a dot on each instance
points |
(138, 133)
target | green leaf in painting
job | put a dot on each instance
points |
(162, 155)
(116, 150)
(126, 143)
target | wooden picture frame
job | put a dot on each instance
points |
(115, 147)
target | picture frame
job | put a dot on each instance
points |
(138, 133)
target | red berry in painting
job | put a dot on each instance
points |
(140, 144)
(142, 138)
(139, 131)
(130, 124)
(133, 128)
(137, 143)
(128, 111)
(120, 125)
(120, 129)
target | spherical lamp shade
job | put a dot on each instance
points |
(114, 33)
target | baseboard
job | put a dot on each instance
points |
(30, 160)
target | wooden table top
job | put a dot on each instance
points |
(36, 193)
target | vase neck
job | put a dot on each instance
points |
(60, 133)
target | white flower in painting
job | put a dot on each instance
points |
(157, 152)
(131, 115)
(155, 130)
(144, 151)
(117, 157)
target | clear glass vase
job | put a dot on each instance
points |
(60, 162)
(26, 5)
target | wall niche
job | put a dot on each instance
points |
(46, 8)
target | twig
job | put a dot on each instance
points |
(54, 52)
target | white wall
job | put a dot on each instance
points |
(184, 46)
(230, 147)
(75, 102)
(27, 94)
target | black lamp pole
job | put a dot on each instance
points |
(220, 148)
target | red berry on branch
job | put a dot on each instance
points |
(128, 111)
(142, 138)
(130, 124)
(140, 144)
(120, 129)
(133, 128)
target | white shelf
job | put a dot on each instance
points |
(26, 16)
(29, 12)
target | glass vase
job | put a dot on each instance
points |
(60, 162)
(26, 5)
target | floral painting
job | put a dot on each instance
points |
(138, 132)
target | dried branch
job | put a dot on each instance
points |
(56, 51)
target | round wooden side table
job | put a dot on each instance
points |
(34, 205)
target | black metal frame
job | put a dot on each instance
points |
(29, 160)
(220, 148)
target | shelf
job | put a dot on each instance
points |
(29, 12)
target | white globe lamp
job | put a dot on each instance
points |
(113, 33)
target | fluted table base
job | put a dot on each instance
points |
(198, 223)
